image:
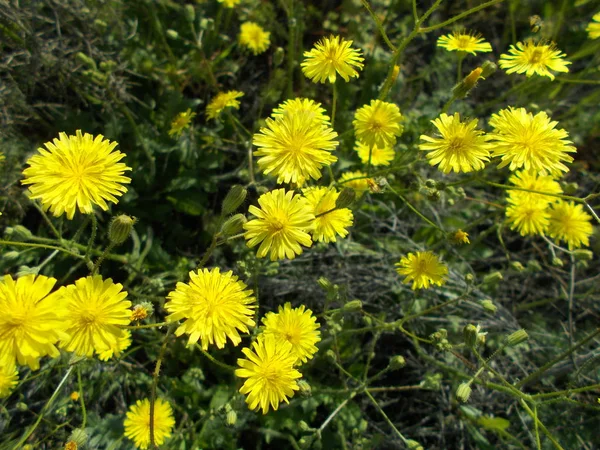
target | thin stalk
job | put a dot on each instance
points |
(47, 220)
(155, 375)
(379, 25)
(460, 16)
(215, 361)
(541, 425)
(387, 419)
(92, 217)
(415, 210)
(333, 104)
(101, 259)
(81, 400)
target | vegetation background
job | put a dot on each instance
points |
(125, 69)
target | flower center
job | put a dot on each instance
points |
(463, 42)
(456, 145)
(536, 56)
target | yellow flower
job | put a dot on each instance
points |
(71, 445)
(527, 179)
(331, 56)
(461, 237)
(530, 218)
(461, 146)
(297, 326)
(380, 156)
(329, 221)
(378, 123)
(181, 122)
(221, 101)
(123, 343)
(97, 311)
(270, 373)
(593, 27)
(76, 171)
(230, 3)
(293, 147)
(530, 58)
(74, 396)
(139, 312)
(214, 305)
(9, 377)
(254, 37)
(302, 106)
(461, 41)
(137, 423)
(523, 140)
(571, 224)
(31, 321)
(356, 180)
(424, 269)
(281, 225)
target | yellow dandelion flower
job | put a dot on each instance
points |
(31, 321)
(281, 225)
(423, 269)
(294, 148)
(302, 106)
(214, 305)
(294, 325)
(378, 123)
(528, 179)
(221, 101)
(523, 140)
(329, 221)
(254, 37)
(97, 311)
(529, 218)
(571, 224)
(76, 171)
(181, 122)
(137, 422)
(270, 373)
(462, 41)
(380, 156)
(530, 58)
(461, 146)
(139, 312)
(9, 377)
(74, 396)
(356, 180)
(593, 27)
(329, 57)
(71, 445)
(461, 237)
(123, 343)
(230, 3)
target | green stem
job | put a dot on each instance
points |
(333, 104)
(567, 80)
(216, 361)
(210, 250)
(45, 246)
(541, 425)
(92, 217)
(155, 376)
(461, 57)
(387, 419)
(47, 220)
(566, 392)
(379, 25)
(149, 325)
(415, 210)
(460, 16)
(516, 188)
(101, 259)
(81, 400)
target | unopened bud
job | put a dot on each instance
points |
(190, 13)
(570, 188)
(489, 306)
(304, 388)
(11, 255)
(535, 23)
(431, 184)
(493, 278)
(22, 406)
(330, 354)
(411, 444)
(533, 266)
(120, 228)
(516, 338)
(353, 305)
(463, 392)
(469, 278)
(234, 198)
(172, 34)
(85, 59)
(324, 283)
(556, 261)
(278, 56)
(488, 68)
(18, 233)
(473, 77)
(397, 362)
(303, 426)
(395, 72)
(517, 266)
(234, 225)
(583, 255)
(470, 335)
(346, 198)
(79, 436)
(230, 418)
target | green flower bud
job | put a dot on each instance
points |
(22, 406)
(11, 255)
(351, 306)
(190, 13)
(85, 59)
(583, 255)
(324, 283)
(330, 354)
(533, 266)
(78, 436)
(230, 418)
(411, 444)
(303, 426)
(489, 306)
(517, 338)
(470, 333)
(556, 261)
(493, 278)
(305, 389)
(431, 184)
(517, 266)
(469, 278)
(234, 225)
(278, 56)
(18, 233)
(101, 24)
(397, 362)
(120, 228)
(570, 188)
(234, 198)
(172, 34)
(463, 392)
(488, 68)
(345, 198)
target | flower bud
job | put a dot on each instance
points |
(234, 225)
(74, 396)
(470, 333)
(583, 255)
(230, 418)
(489, 306)
(71, 445)
(303, 426)
(330, 354)
(411, 444)
(22, 406)
(351, 306)
(431, 184)
(397, 362)
(461, 237)
(190, 13)
(493, 278)
(234, 198)
(345, 198)
(324, 283)
(463, 392)
(533, 266)
(85, 59)
(18, 233)
(141, 311)
(278, 56)
(172, 34)
(120, 228)
(570, 188)
(488, 68)
(78, 436)
(11, 255)
(304, 388)
(556, 261)
(469, 278)
(517, 338)
(517, 266)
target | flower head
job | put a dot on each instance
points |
(294, 325)
(254, 37)
(123, 343)
(571, 224)
(270, 373)
(593, 27)
(214, 305)
(460, 146)
(379, 156)
(528, 179)
(137, 422)
(331, 56)
(76, 171)
(9, 377)
(221, 101)
(356, 180)
(378, 123)
(523, 140)
(528, 217)
(281, 225)
(462, 41)
(302, 107)
(31, 321)
(423, 269)
(530, 58)
(181, 122)
(97, 311)
(74, 396)
(230, 3)
(461, 237)
(294, 147)
(329, 221)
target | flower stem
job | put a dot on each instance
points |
(81, 400)
(155, 376)
(333, 104)
(379, 25)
